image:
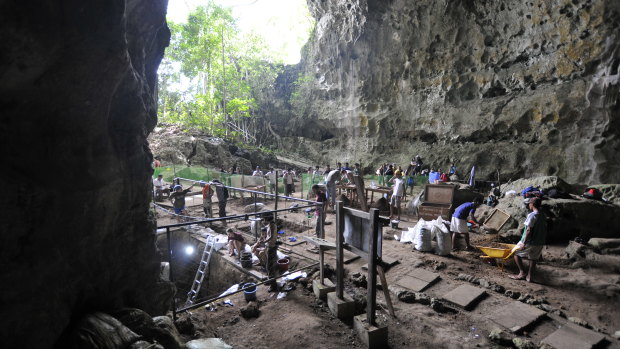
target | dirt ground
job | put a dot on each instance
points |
(301, 320)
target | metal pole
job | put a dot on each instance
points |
(194, 306)
(276, 204)
(243, 216)
(174, 298)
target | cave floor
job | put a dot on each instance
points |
(300, 319)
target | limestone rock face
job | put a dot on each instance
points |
(77, 98)
(530, 88)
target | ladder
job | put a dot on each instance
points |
(201, 271)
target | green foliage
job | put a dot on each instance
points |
(211, 76)
(299, 97)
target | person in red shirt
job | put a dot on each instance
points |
(443, 177)
(207, 195)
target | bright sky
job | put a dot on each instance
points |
(285, 24)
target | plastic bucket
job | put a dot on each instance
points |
(283, 264)
(395, 224)
(250, 293)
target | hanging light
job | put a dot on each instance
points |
(189, 250)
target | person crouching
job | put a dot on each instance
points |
(236, 241)
(458, 224)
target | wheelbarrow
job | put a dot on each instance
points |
(500, 255)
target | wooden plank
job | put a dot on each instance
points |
(357, 251)
(358, 213)
(339, 249)
(371, 306)
(361, 193)
(386, 292)
(352, 259)
(321, 243)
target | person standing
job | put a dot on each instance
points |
(178, 200)
(320, 211)
(222, 196)
(207, 197)
(271, 238)
(332, 177)
(410, 172)
(458, 225)
(271, 177)
(257, 172)
(288, 178)
(397, 194)
(532, 241)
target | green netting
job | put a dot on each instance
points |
(195, 173)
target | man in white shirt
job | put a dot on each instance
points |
(397, 194)
(330, 182)
(271, 176)
(160, 188)
(288, 176)
(257, 172)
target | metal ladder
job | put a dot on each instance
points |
(201, 271)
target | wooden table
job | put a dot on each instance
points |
(380, 190)
(350, 191)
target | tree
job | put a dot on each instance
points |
(211, 75)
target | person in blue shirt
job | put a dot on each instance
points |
(458, 225)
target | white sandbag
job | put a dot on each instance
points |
(407, 235)
(410, 233)
(444, 241)
(422, 239)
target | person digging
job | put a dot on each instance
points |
(532, 241)
(458, 224)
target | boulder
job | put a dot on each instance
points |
(254, 208)
(567, 218)
(100, 330)
(611, 192)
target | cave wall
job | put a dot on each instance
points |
(77, 101)
(530, 88)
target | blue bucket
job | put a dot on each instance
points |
(250, 292)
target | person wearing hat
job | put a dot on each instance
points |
(178, 200)
(532, 241)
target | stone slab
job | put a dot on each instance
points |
(424, 275)
(516, 316)
(372, 336)
(464, 296)
(572, 336)
(412, 283)
(386, 263)
(343, 309)
(321, 290)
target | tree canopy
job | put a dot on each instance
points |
(211, 75)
